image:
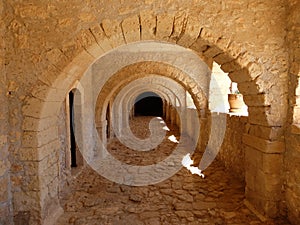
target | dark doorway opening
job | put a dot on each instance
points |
(72, 135)
(148, 104)
(108, 122)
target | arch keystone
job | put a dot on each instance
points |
(212, 51)
(179, 23)
(148, 25)
(191, 32)
(164, 27)
(131, 29)
(113, 31)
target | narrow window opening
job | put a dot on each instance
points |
(72, 135)
(108, 122)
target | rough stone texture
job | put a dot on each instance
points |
(292, 159)
(50, 44)
(5, 181)
(232, 152)
(182, 199)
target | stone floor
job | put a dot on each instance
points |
(182, 199)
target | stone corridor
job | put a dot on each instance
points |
(182, 199)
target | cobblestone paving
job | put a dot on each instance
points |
(182, 199)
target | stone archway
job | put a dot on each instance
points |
(264, 102)
(155, 83)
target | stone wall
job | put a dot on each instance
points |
(292, 156)
(5, 183)
(232, 152)
(44, 63)
(64, 159)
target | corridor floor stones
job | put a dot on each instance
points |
(184, 198)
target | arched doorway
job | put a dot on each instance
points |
(148, 104)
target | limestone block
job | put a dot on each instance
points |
(4, 189)
(49, 74)
(203, 205)
(271, 208)
(253, 158)
(295, 67)
(5, 217)
(17, 181)
(101, 39)
(88, 42)
(256, 100)
(56, 57)
(53, 158)
(265, 132)
(29, 110)
(3, 143)
(131, 29)
(267, 115)
(49, 174)
(230, 66)
(209, 36)
(71, 48)
(249, 87)
(268, 185)
(30, 168)
(4, 165)
(26, 154)
(38, 124)
(32, 183)
(179, 23)
(222, 58)
(148, 25)
(212, 51)
(49, 109)
(41, 91)
(239, 76)
(255, 70)
(75, 69)
(263, 145)
(223, 43)
(272, 163)
(114, 32)
(267, 207)
(28, 11)
(236, 50)
(44, 152)
(53, 94)
(199, 45)
(293, 205)
(29, 200)
(190, 32)
(164, 26)
(53, 188)
(38, 139)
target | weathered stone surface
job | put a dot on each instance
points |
(261, 38)
(148, 25)
(262, 145)
(233, 152)
(164, 27)
(218, 197)
(131, 29)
